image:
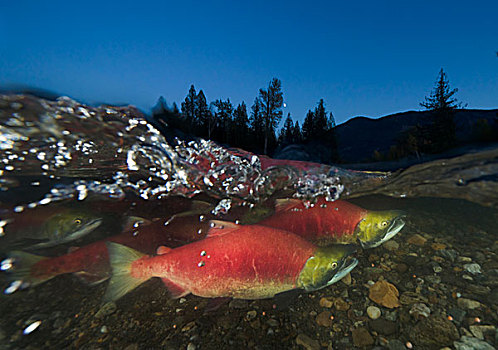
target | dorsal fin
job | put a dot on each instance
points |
(161, 250)
(198, 207)
(219, 227)
(282, 204)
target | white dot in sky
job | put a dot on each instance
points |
(285, 105)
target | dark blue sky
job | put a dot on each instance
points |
(362, 57)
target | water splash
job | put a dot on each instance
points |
(110, 151)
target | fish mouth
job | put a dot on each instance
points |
(87, 228)
(345, 267)
(396, 225)
(327, 266)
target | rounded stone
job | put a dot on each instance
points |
(373, 312)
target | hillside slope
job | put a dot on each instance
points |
(359, 137)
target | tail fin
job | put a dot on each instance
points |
(22, 268)
(120, 258)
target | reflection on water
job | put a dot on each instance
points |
(85, 192)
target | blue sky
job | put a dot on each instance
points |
(362, 57)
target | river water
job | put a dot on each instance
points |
(112, 173)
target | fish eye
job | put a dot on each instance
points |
(77, 221)
(334, 265)
(384, 223)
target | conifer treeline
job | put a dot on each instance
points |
(254, 130)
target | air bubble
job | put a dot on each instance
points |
(14, 286)
(45, 201)
(6, 264)
(33, 326)
(201, 264)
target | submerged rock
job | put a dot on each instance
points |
(373, 312)
(106, 310)
(391, 245)
(434, 331)
(341, 305)
(472, 268)
(465, 303)
(347, 279)
(417, 239)
(420, 311)
(457, 314)
(438, 246)
(470, 343)
(307, 342)
(436, 267)
(384, 294)
(396, 344)
(478, 331)
(361, 337)
(449, 254)
(384, 327)
(326, 302)
(323, 319)
(238, 304)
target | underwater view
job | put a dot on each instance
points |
(116, 235)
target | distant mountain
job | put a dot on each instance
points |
(359, 137)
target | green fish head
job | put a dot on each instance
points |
(327, 266)
(70, 225)
(378, 227)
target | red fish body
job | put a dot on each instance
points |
(91, 261)
(323, 221)
(249, 262)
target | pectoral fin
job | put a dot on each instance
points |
(174, 290)
(161, 250)
(219, 227)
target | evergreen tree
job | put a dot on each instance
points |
(319, 128)
(223, 119)
(175, 109)
(271, 103)
(331, 138)
(320, 121)
(331, 121)
(241, 126)
(297, 136)
(188, 108)
(286, 135)
(308, 126)
(203, 115)
(441, 97)
(442, 103)
(161, 107)
(167, 118)
(257, 126)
